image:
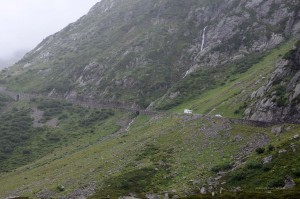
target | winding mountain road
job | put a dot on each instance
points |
(96, 104)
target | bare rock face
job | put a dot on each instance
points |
(279, 100)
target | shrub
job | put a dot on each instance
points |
(60, 188)
(267, 167)
(271, 147)
(26, 151)
(221, 167)
(254, 165)
(260, 150)
(296, 172)
(238, 176)
(279, 182)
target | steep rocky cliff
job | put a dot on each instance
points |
(279, 100)
(135, 51)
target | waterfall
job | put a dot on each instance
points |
(203, 38)
(202, 47)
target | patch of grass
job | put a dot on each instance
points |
(254, 165)
(137, 181)
(21, 144)
(255, 175)
(15, 131)
(4, 100)
(172, 146)
(51, 108)
(96, 116)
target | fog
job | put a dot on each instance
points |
(25, 23)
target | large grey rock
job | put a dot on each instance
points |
(282, 151)
(152, 196)
(203, 190)
(166, 195)
(289, 182)
(267, 160)
(277, 130)
(296, 92)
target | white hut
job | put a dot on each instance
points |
(187, 111)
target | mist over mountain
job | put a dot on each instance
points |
(11, 60)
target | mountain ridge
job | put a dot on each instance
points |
(158, 42)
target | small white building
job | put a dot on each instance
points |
(218, 115)
(187, 111)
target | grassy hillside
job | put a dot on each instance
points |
(158, 153)
(91, 150)
(22, 142)
(138, 53)
(256, 179)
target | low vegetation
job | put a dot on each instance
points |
(21, 143)
(285, 161)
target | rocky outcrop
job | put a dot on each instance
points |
(279, 100)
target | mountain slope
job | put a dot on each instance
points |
(134, 51)
(209, 56)
(91, 155)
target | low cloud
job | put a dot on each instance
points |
(26, 23)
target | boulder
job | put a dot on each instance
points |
(277, 130)
(282, 151)
(203, 190)
(166, 195)
(267, 160)
(152, 196)
(289, 182)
